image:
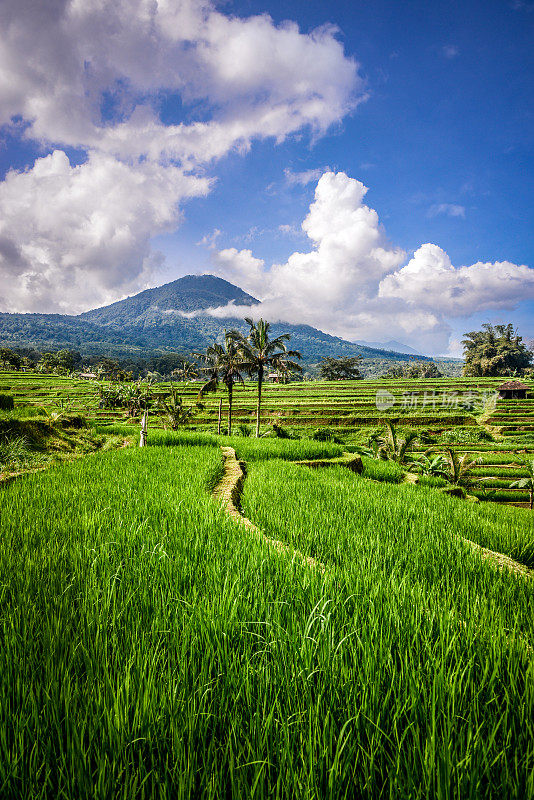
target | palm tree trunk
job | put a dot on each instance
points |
(230, 390)
(219, 418)
(258, 408)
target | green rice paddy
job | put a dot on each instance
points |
(154, 647)
(347, 408)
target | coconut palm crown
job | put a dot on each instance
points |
(224, 363)
(260, 352)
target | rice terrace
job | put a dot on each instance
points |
(211, 616)
(266, 400)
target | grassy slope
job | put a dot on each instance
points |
(152, 648)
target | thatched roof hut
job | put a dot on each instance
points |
(513, 390)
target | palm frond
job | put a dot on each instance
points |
(208, 387)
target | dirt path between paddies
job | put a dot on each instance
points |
(228, 491)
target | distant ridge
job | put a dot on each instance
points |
(397, 347)
(157, 319)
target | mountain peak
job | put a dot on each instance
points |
(189, 293)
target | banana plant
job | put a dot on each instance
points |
(428, 463)
(60, 409)
(175, 411)
(394, 447)
(527, 482)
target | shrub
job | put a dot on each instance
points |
(244, 430)
(280, 432)
(74, 421)
(325, 435)
(6, 402)
(465, 436)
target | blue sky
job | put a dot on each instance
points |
(436, 121)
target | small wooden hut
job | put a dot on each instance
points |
(513, 390)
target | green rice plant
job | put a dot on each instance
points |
(13, 452)
(159, 438)
(153, 648)
(121, 429)
(23, 411)
(325, 435)
(432, 480)
(286, 449)
(500, 529)
(501, 495)
(378, 470)
(506, 471)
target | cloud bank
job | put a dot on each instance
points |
(149, 94)
(352, 281)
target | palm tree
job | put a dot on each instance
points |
(459, 469)
(395, 448)
(259, 352)
(186, 371)
(225, 364)
(527, 482)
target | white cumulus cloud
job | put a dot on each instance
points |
(352, 281)
(90, 74)
(61, 61)
(429, 280)
(76, 236)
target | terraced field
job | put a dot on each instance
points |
(354, 643)
(443, 408)
(358, 637)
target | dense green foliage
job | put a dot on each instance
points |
(6, 402)
(9, 359)
(495, 350)
(415, 370)
(340, 369)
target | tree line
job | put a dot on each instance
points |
(496, 350)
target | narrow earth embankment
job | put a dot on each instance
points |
(228, 491)
(500, 560)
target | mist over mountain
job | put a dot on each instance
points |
(187, 294)
(163, 319)
(392, 344)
